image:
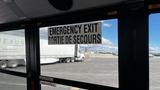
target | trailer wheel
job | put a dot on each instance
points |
(72, 60)
(83, 58)
(67, 60)
(3, 64)
(12, 64)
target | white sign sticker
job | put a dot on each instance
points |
(83, 33)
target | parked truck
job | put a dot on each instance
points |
(13, 54)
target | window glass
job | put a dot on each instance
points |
(12, 50)
(59, 87)
(94, 63)
(154, 51)
(9, 82)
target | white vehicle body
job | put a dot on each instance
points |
(12, 52)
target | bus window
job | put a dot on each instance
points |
(93, 63)
(12, 50)
(9, 82)
(154, 51)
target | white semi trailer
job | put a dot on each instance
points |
(12, 52)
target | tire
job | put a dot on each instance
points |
(83, 59)
(3, 64)
(60, 60)
(72, 60)
(12, 64)
(67, 60)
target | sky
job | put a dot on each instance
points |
(154, 32)
(109, 33)
(110, 30)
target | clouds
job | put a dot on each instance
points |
(107, 25)
(106, 46)
(106, 42)
(154, 49)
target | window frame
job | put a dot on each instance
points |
(101, 13)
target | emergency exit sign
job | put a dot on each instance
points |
(82, 33)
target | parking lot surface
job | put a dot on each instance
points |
(103, 71)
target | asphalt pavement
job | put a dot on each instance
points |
(103, 71)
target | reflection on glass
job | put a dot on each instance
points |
(92, 63)
(9, 82)
(12, 50)
(154, 51)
